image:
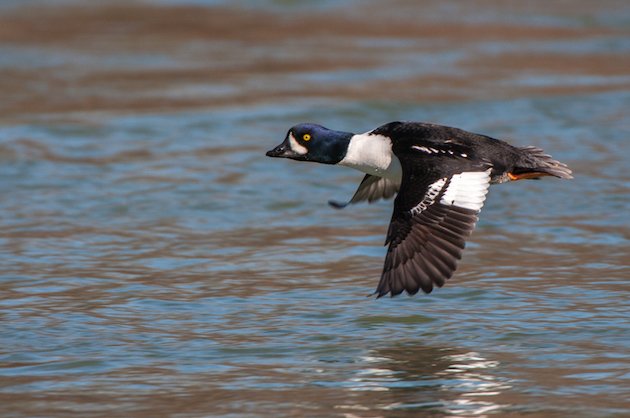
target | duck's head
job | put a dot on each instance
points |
(311, 142)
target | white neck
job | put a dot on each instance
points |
(373, 155)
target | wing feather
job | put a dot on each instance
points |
(428, 232)
(372, 188)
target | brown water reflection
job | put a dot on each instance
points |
(144, 57)
(154, 263)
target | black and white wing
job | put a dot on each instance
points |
(371, 188)
(432, 218)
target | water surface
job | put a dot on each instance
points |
(154, 262)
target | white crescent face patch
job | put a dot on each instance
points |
(467, 190)
(295, 146)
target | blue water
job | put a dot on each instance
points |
(155, 263)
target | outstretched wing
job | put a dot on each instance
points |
(371, 188)
(432, 218)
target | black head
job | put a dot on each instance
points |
(310, 142)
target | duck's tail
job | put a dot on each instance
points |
(535, 163)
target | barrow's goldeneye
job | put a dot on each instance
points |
(440, 175)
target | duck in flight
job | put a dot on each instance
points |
(439, 175)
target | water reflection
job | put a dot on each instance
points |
(475, 377)
(153, 262)
(425, 378)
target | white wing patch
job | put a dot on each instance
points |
(467, 190)
(432, 192)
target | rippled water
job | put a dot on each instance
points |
(153, 262)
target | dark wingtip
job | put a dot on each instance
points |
(378, 293)
(337, 205)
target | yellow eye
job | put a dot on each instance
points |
(306, 137)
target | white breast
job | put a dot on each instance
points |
(373, 155)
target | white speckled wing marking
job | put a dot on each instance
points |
(429, 197)
(423, 149)
(431, 150)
